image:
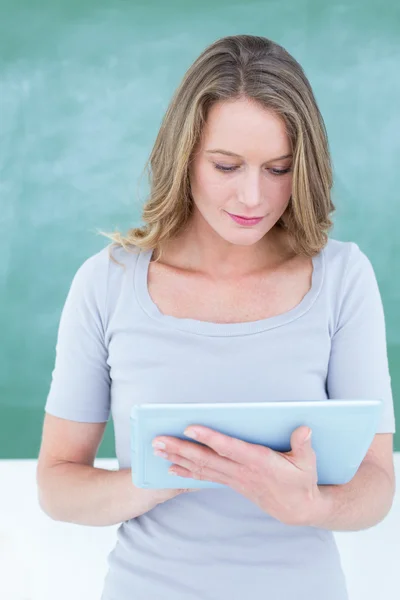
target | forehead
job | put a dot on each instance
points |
(244, 126)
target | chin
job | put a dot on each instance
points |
(244, 238)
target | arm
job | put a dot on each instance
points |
(69, 487)
(358, 368)
(359, 504)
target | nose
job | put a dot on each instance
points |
(251, 190)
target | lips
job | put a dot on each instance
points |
(242, 217)
(245, 220)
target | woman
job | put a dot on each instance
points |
(201, 305)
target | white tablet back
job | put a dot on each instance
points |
(342, 433)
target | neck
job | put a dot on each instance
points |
(218, 259)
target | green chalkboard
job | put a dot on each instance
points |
(84, 86)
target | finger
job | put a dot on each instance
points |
(198, 459)
(229, 447)
(201, 475)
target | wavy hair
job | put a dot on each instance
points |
(233, 68)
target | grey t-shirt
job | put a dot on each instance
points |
(116, 348)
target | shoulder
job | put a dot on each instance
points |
(341, 253)
(350, 278)
(110, 261)
(343, 258)
(99, 279)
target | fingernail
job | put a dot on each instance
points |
(308, 437)
(158, 445)
(161, 453)
(192, 433)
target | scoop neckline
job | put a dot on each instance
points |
(210, 328)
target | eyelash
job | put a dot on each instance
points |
(276, 172)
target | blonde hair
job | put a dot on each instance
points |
(233, 68)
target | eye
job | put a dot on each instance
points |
(222, 168)
(230, 169)
(280, 171)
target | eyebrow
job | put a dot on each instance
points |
(228, 153)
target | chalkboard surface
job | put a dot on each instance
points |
(84, 86)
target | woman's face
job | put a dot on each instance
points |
(253, 180)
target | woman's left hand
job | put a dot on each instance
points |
(283, 484)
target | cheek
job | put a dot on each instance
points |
(279, 191)
(209, 188)
(287, 186)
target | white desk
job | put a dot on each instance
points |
(41, 559)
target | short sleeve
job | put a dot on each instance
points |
(80, 381)
(358, 365)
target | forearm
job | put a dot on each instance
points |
(86, 495)
(359, 504)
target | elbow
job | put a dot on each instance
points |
(392, 493)
(390, 496)
(45, 498)
(45, 504)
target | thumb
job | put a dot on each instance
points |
(301, 440)
(307, 439)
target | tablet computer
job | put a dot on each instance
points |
(342, 433)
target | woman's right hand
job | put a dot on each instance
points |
(141, 500)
